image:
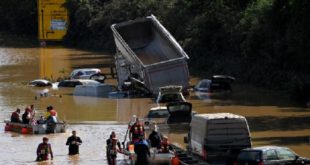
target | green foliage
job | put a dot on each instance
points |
(19, 16)
(263, 42)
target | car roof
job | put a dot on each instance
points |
(158, 108)
(170, 89)
(83, 81)
(264, 148)
(87, 69)
(205, 80)
(219, 116)
(40, 80)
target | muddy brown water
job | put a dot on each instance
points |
(273, 118)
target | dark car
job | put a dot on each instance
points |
(218, 83)
(269, 155)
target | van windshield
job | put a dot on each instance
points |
(249, 156)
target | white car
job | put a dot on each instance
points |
(175, 112)
(158, 112)
(84, 73)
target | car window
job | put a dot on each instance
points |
(170, 98)
(271, 155)
(285, 154)
(204, 84)
(90, 72)
(158, 114)
(249, 156)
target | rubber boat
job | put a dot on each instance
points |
(59, 127)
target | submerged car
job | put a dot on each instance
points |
(176, 112)
(269, 155)
(97, 90)
(84, 73)
(218, 83)
(158, 112)
(169, 94)
(40, 83)
(76, 82)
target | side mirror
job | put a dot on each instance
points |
(185, 140)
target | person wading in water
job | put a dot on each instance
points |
(74, 142)
(43, 150)
(113, 146)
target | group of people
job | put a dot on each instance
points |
(142, 146)
(26, 117)
(44, 149)
(29, 114)
(136, 135)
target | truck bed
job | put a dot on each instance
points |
(147, 40)
(151, 52)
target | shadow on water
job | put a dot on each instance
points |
(246, 95)
(92, 57)
(297, 140)
(267, 123)
(17, 41)
(93, 66)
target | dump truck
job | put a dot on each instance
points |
(146, 51)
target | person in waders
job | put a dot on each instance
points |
(136, 130)
(165, 145)
(113, 146)
(43, 150)
(74, 142)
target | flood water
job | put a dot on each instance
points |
(273, 118)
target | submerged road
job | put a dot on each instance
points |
(272, 117)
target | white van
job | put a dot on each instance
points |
(218, 137)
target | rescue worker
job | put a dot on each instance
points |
(165, 145)
(142, 151)
(136, 130)
(155, 138)
(113, 146)
(74, 142)
(15, 116)
(43, 150)
(51, 119)
(50, 111)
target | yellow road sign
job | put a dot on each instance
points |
(52, 19)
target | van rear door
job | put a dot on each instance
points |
(226, 137)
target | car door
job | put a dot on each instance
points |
(270, 157)
(286, 156)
